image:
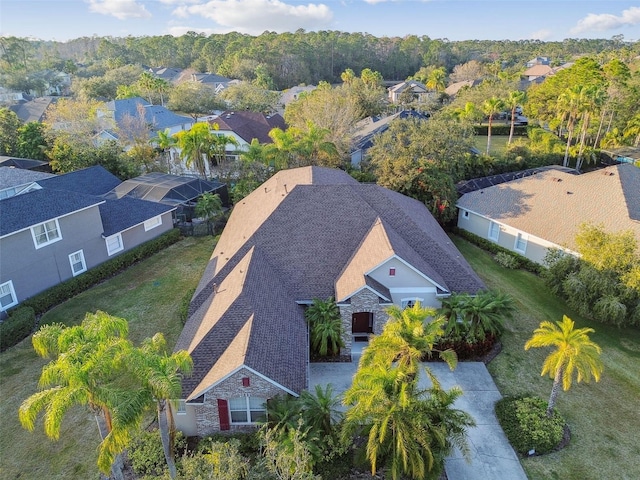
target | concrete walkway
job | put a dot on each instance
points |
(491, 455)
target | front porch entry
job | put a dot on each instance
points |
(361, 326)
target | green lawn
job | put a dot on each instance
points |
(148, 296)
(604, 417)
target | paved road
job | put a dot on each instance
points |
(491, 455)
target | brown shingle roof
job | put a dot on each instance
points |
(292, 240)
(250, 125)
(552, 204)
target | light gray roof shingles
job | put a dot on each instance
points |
(552, 204)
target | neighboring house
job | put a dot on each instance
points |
(417, 89)
(538, 61)
(368, 128)
(216, 82)
(115, 114)
(292, 94)
(306, 233)
(55, 227)
(171, 75)
(25, 164)
(453, 89)
(532, 214)
(244, 126)
(32, 110)
(537, 71)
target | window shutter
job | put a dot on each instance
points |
(223, 414)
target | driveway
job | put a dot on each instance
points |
(492, 457)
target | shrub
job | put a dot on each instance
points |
(17, 326)
(507, 260)
(146, 454)
(494, 248)
(526, 425)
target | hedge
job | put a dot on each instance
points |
(494, 248)
(502, 130)
(17, 326)
(64, 291)
(525, 423)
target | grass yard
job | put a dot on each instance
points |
(604, 417)
(148, 295)
(498, 143)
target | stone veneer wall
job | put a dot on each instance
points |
(363, 301)
(207, 417)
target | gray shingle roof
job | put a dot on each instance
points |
(94, 180)
(14, 177)
(23, 211)
(293, 237)
(157, 116)
(552, 204)
(126, 212)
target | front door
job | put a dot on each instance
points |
(362, 323)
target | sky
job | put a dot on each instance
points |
(546, 20)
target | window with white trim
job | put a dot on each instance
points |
(494, 231)
(521, 243)
(182, 407)
(7, 296)
(247, 410)
(465, 214)
(78, 265)
(152, 223)
(46, 233)
(114, 244)
(410, 302)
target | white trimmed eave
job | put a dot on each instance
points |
(364, 287)
(411, 267)
(138, 224)
(204, 391)
(53, 218)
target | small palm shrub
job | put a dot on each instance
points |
(527, 426)
(325, 326)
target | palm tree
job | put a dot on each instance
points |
(592, 99)
(209, 207)
(85, 370)
(217, 143)
(408, 337)
(485, 313)
(436, 80)
(490, 107)
(315, 149)
(569, 106)
(632, 130)
(574, 353)
(193, 144)
(320, 410)
(161, 376)
(325, 323)
(410, 430)
(516, 98)
(165, 142)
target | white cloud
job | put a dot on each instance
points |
(257, 16)
(121, 9)
(542, 34)
(607, 21)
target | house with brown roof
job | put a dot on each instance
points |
(532, 214)
(306, 233)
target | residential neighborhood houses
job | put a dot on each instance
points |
(374, 238)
